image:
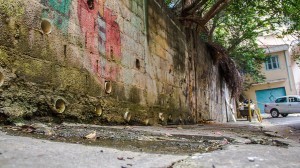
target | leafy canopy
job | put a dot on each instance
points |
(236, 24)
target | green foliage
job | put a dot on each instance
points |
(12, 8)
(237, 31)
(238, 25)
(291, 10)
(168, 2)
(249, 59)
(171, 3)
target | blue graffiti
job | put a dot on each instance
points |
(58, 13)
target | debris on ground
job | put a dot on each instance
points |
(251, 159)
(91, 135)
(133, 139)
(121, 158)
(127, 139)
(218, 133)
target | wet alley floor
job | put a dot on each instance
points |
(240, 144)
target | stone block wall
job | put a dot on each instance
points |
(105, 62)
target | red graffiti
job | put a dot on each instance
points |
(88, 25)
(102, 36)
(111, 70)
(113, 40)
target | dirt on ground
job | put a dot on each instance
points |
(175, 139)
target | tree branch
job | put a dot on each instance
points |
(212, 29)
(215, 9)
(191, 9)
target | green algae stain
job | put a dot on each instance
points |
(3, 57)
(135, 96)
(12, 8)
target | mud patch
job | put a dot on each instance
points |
(124, 139)
(267, 141)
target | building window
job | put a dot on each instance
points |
(272, 63)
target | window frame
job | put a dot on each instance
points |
(286, 100)
(293, 99)
(270, 60)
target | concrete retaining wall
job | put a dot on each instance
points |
(110, 61)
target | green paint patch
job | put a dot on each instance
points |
(61, 6)
(60, 17)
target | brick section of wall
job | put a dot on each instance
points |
(158, 73)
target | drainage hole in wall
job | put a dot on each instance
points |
(65, 50)
(97, 64)
(127, 116)
(98, 110)
(146, 121)
(171, 69)
(108, 87)
(46, 26)
(112, 53)
(170, 118)
(90, 4)
(137, 64)
(1, 79)
(60, 105)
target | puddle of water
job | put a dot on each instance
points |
(138, 141)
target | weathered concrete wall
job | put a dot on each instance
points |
(120, 58)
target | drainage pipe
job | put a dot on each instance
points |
(288, 70)
(46, 26)
(59, 105)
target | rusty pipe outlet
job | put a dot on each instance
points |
(98, 110)
(127, 116)
(108, 87)
(161, 116)
(59, 105)
(170, 118)
(146, 121)
(46, 26)
(1, 79)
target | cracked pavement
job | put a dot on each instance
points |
(240, 144)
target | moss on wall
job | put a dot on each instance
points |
(41, 68)
(12, 8)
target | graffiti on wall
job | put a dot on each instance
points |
(101, 28)
(102, 37)
(88, 24)
(112, 45)
(113, 41)
(58, 11)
